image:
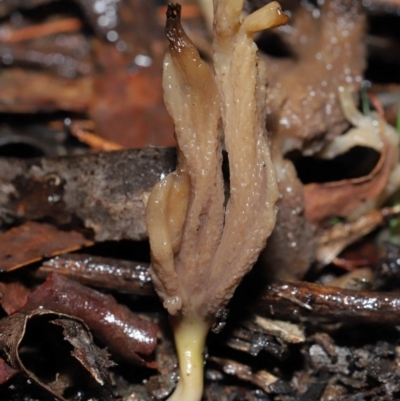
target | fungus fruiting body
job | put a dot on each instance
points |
(201, 248)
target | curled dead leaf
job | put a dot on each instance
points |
(25, 335)
(30, 242)
(342, 197)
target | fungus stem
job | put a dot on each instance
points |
(190, 334)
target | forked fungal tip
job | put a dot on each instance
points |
(173, 11)
(173, 29)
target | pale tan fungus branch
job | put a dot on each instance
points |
(200, 250)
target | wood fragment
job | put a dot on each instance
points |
(357, 279)
(93, 140)
(260, 378)
(287, 331)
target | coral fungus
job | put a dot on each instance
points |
(201, 248)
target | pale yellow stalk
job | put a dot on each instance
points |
(190, 336)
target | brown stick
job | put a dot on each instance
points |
(297, 299)
(292, 300)
(112, 274)
(126, 334)
(93, 140)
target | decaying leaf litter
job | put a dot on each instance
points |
(74, 70)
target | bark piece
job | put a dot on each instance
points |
(103, 190)
(260, 378)
(32, 241)
(125, 334)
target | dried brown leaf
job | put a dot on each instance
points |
(23, 91)
(13, 331)
(32, 241)
(6, 371)
(128, 109)
(13, 296)
(342, 197)
(329, 52)
(94, 359)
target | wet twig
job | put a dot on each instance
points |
(292, 300)
(302, 300)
